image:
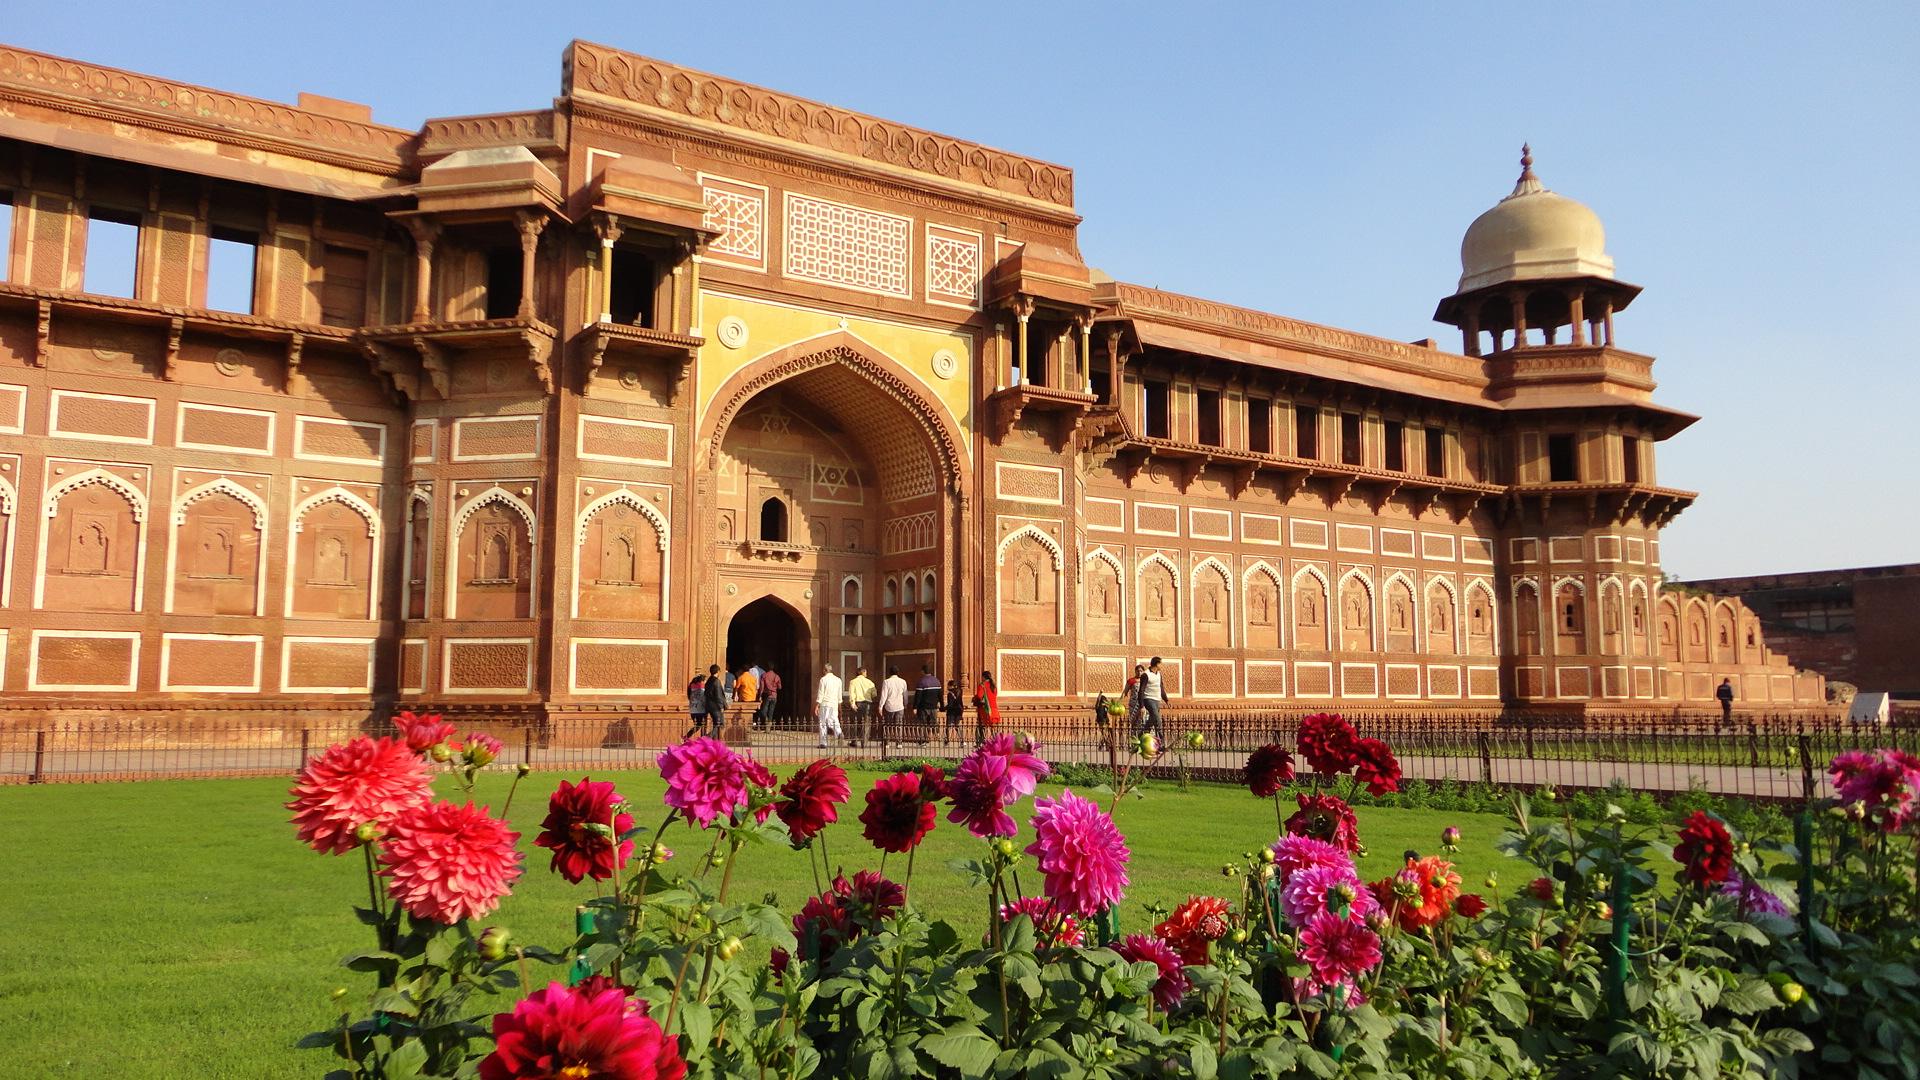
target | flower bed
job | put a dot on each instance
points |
(1763, 958)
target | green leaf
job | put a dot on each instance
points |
(1753, 994)
(370, 961)
(440, 949)
(696, 1023)
(767, 922)
(407, 1060)
(972, 869)
(963, 1047)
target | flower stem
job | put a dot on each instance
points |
(511, 788)
(1279, 818)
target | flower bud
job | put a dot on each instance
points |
(523, 769)
(1792, 992)
(1195, 740)
(1238, 937)
(716, 858)
(440, 752)
(1229, 870)
(1493, 881)
(661, 853)
(1146, 745)
(1745, 848)
(367, 832)
(1006, 848)
(1483, 956)
(337, 993)
(1267, 855)
(1450, 838)
(493, 943)
(1406, 888)
(729, 948)
(1603, 909)
(1549, 795)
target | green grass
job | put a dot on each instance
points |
(177, 929)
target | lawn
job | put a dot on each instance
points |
(177, 929)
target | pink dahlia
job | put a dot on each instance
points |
(423, 732)
(354, 783)
(582, 823)
(1001, 772)
(1320, 889)
(1297, 852)
(446, 863)
(763, 782)
(1081, 852)
(1883, 781)
(1172, 984)
(561, 1033)
(482, 749)
(1050, 927)
(1338, 949)
(810, 800)
(1326, 817)
(705, 779)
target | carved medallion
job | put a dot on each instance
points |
(630, 378)
(945, 364)
(230, 362)
(732, 332)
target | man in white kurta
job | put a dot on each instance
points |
(826, 704)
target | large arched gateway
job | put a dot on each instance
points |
(829, 495)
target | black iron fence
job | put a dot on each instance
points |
(1759, 756)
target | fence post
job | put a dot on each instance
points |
(1753, 744)
(1806, 766)
(39, 774)
(306, 746)
(1528, 721)
(526, 745)
(1486, 758)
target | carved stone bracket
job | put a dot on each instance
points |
(42, 333)
(170, 364)
(1338, 489)
(1243, 477)
(433, 361)
(396, 366)
(295, 382)
(674, 352)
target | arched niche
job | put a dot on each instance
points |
(620, 558)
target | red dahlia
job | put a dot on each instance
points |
(1470, 905)
(423, 733)
(1541, 889)
(760, 778)
(900, 812)
(810, 800)
(1327, 818)
(562, 1032)
(1705, 850)
(1374, 765)
(1326, 741)
(1267, 768)
(354, 783)
(582, 822)
(1193, 926)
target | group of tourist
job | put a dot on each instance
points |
(876, 713)
(1145, 695)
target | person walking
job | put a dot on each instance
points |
(956, 707)
(1725, 694)
(826, 705)
(715, 699)
(926, 704)
(1135, 686)
(986, 707)
(892, 704)
(770, 685)
(1153, 696)
(860, 695)
(696, 705)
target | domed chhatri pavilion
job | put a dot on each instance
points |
(531, 414)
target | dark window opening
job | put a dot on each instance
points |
(343, 286)
(503, 283)
(1630, 456)
(1207, 423)
(1260, 425)
(635, 280)
(1306, 431)
(1436, 452)
(113, 252)
(1100, 384)
(1349, 438)
(773, 521)
(1396, 446)
(1562, 463)
(1159, 410)
(232, 255)
(6, 233)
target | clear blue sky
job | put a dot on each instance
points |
(1755, 165)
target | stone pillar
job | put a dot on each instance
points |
(1023, 310)
(424, 234)
(529, 224)
(607, 228)
(1576, 307)
(1085, 373)
(1518, 300)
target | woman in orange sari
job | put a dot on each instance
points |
(986, 704)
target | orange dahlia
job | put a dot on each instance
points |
(447, 863)
(1193, 926)
(354, 783)
(1437, 887)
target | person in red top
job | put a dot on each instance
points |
(986, 704)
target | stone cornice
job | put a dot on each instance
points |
(759, 116)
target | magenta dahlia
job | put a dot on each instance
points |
(705, 779)
(446, 863)
(1299, 852)
(763, 784)
(1320, 889)
(1172, 984)
(354, 783)
(1051, 928)
(1081, 852)
(423, 732)
(560, 1033)
(998, 774)
(1883, 782)
(1338, 949)
(582, 823)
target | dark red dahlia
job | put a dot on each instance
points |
(1375, 766)
(869, 897)
(1328, 818)
(810, 800)
(933, 781)
(1705, 850)
(1541, 889)
(1470, 905)
(1172, 984)
(822, 925)
(1326, 741)
(900, 812)
(583, 821)
(1267, 768)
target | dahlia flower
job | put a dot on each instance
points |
(1172, 984)
(1375, 766)
(1051, 928)
(1470, 905)
(1081, 852)
(763, 782)
(563, 1032)
(446, 863)
(998, 774)
(1267, 768)
(870, 897)
(1300, 852)
(1319, 889)
(1753, 898)
(1883, 781)
(1338, 949)
(900, 812)
(1194, 926)
(933, 781)
(352, 784)
(1325, 817)
(583, 821)
(1705, 850)
(810, 799)
(822, 924)
(422, 732)
(482, 749)
(705, 779)
(1326, 741)
(1421, 894)
(1541, 889)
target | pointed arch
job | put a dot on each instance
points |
(1149, 607)
(9, 499)
(1111, 625)
(1226, 575)
(1313, 620)
(103, 478)
(494, 494)
(1048, 542)
(296, 526)
(1402, 580)
(9, 503)
(136, 506)
(1251, 596)
(1613, 617)
(1368, 617)
(345, 498)
(1445, 607)
(631, 499)
(1526, 616)
(419, 509)
(1209, 632)
(220, 485)
(1488, 626)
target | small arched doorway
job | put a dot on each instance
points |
(769, 633)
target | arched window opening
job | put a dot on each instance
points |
(773, 520)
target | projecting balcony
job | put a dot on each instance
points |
(1606, 502)
(616, 342)
(1295, 473)
(1007, 406)
(416, 355)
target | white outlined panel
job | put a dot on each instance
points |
(1261, 529)
(637, 438)
(352, 654)
(1403, 670)
(1307, 534)
(431, 443)
(13, 409)
(848, 246)
(41, 638)
(1266, 678)
(619, 654)
(953, 271)
(1307, 673)
(1356, 538)
(1156, 511)
(1202, 669)
(1047, 666)
(1205, 524)
(208, 422)
(496, 438)
(1105, 515)
(448, 646)
(71, 411)
(737, 210)
(228, 647)
(1015, 482)
(349, 442)
(413, 651)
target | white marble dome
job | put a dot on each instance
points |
(1533, 234)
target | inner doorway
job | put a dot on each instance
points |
(771, 634)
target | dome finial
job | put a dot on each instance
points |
(1528, 184)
